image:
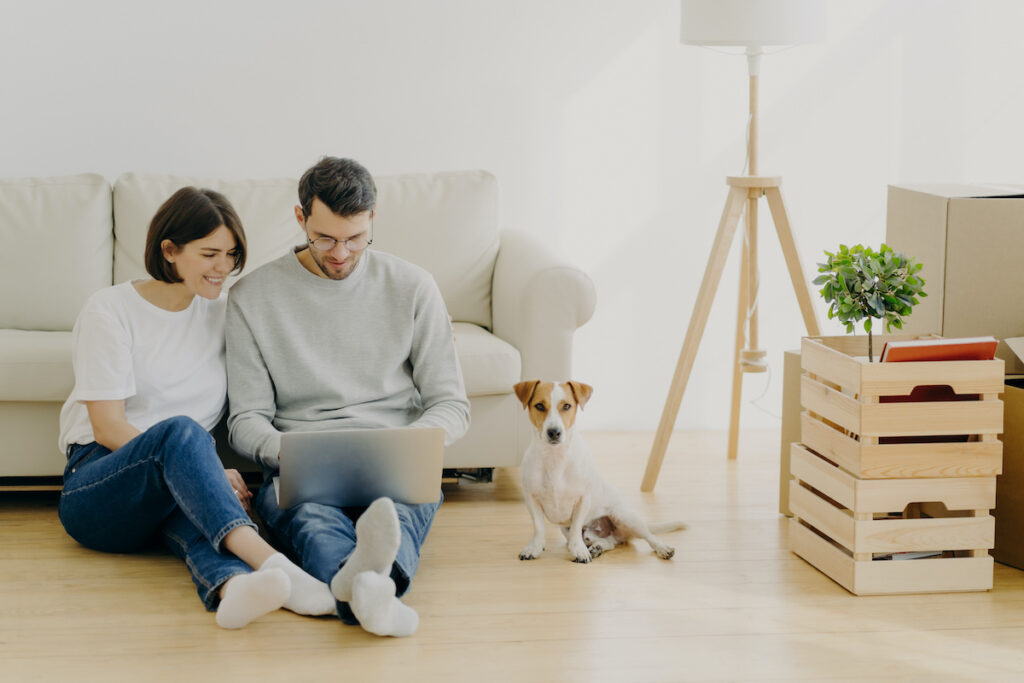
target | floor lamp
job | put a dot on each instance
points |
(752, 24)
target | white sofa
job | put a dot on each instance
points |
(515, 304)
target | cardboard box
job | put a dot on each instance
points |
(1009, 510)
(968, 239)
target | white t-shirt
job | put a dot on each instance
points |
(162, 363)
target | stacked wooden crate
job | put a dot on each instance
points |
(877, 480)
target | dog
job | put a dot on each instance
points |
(561, 483)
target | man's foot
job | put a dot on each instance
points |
(248, 596)
(378, 610)
(378, 535)
(308, 595)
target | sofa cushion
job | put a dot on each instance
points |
(489, 365)
(57, 241)
(35, 366)
(446, 223)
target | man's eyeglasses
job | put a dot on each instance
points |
(357, 243)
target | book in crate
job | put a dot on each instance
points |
(939, 348)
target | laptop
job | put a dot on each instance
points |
(354, 467)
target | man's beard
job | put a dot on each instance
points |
(333, 274)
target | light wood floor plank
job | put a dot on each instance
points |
(734, 604)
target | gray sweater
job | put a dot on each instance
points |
(308, 353)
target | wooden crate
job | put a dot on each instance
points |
(847, 416)
(848, 527)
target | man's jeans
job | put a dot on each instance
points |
(167, 482)
(322, 537)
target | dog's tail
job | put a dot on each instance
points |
(665, 527)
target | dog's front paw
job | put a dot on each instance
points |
(664, 552)
(595, 551)
(531, 552)
(580, 553)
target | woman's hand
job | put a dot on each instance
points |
(241, 490)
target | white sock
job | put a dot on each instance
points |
(378, 535)
(378, 610)
(308, 595)
(248, 596)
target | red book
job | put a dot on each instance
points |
(961, 348)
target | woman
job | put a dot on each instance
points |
(149, 384)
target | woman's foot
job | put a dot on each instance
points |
(308, 595)
(249, 596)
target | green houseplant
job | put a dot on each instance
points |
(862, 284)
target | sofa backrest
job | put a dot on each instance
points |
(446, 223)
(264, 206)
(56, 250)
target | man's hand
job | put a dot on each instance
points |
(241, 490)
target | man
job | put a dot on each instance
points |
(337, 336)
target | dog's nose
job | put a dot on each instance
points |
(554, 433)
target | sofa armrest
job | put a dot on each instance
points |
(538, 301)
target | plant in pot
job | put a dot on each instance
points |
(862, 284)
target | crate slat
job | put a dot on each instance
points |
(820, 474)
(902, 535)
(902, 460)
(820, 514)
(825, 361)
(877, 496)
(899, 379)
(887, 577)
(938, 418)
(830, 404)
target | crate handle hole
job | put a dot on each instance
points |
(929, 392)
(930, 509)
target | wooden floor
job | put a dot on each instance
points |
(733, 605)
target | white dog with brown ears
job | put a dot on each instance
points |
(560, 481)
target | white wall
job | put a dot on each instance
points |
(611, 139)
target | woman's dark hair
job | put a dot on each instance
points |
(344, 185)
(190, 214)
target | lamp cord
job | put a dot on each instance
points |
(764, 392)
(752, 305)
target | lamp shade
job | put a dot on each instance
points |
(752, 22)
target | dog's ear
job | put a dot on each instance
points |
(524, 391)
(581, 391)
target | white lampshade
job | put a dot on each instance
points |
(752, 22)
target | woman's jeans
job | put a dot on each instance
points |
(166, 482)
(322, 537)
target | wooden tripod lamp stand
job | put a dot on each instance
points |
(753, 24)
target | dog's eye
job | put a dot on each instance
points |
(540, 407)
(566, 406)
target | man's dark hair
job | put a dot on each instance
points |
(344, 185)
(190, 214)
